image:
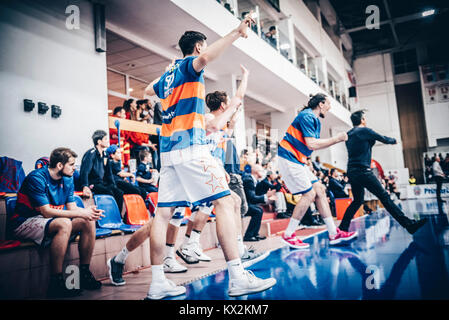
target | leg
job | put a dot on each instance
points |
(158, 234)
(439, 181)
(139, 236)
(226, 229)
(374, 186)
(61, 228)
(236, 185)
(256, 213)
(87, 238)
(321, 200)
(358, 192)
(303, 204)
(237, 207)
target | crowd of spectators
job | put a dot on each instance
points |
(431, 167)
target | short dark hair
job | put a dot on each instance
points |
(143, 153)
(331, 172)
(214, 100)
(272, 28)
(188, 41)
(98, 135)
(143, 101)
(61, 155)
(315, 101)
(356, 117)
(117, 110)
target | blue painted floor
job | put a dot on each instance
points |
(384, 262)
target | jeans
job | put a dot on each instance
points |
(364, 178)
(236, 185)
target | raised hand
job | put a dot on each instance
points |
(245, 24)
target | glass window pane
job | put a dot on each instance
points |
(116, 82)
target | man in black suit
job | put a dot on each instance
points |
(336, 186)
(254, 210)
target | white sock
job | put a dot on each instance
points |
(122, 255)
(186, 240)
(157, 273)
(195, 237)
(331, 228)
(235, 269)
(291, 228)
(241, 245)
(169, 251)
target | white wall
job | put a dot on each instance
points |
(375, 92)
(40, 59)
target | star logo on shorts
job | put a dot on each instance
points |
(215, 182)
(207, 165)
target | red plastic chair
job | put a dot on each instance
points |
(136, 211)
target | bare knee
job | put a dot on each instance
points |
(310, 196)
(319, 189)
(62, 225)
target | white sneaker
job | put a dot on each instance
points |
(171, 265)
(249, 284)
(167, 288)
(199, 253)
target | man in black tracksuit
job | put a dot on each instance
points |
(360, 141)
(96, 173)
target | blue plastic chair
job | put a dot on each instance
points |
(10, 205)
(99, 232)
(112, 218)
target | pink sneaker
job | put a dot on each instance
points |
(342, 236)
(294, 242)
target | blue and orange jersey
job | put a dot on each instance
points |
(39, 189)
(293, 146)
(182, 93)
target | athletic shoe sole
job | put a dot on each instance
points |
(340, 240)
(249, 263)
(186, 260)
(160, 296)
(110, 275)
(178, 271)
(305, 246)
(240, 292)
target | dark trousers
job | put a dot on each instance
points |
(364, 178)
(148, 187)
(439, 181)
(256, 213)
(129, 188)
(112, 190)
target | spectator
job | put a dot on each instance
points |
(120, 175)
(336, 186)
(157, 109)
(144, 112)
(96, 173)
(145, 173)
(138, 140)
(439, 177)
(412, 180)
(254, 210)
(39, 216)
(446, 165)
(270, 182)
(228, 7)
(271, 36)
(130, 107)
(317, 164)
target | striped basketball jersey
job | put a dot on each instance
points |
(182, 93)
(293, 146)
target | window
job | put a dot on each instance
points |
(405, 61)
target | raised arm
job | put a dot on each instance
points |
(373, 135)
(317, 144)
(217, 48)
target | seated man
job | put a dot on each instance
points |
(255, 211)
(39, 216)
(114, 153)
(95, 173)
(145, 173)
(336, 186)
(270, 183)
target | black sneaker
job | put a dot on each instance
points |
(415, 225)
(116, 272)
(88, 282)
(58, 290)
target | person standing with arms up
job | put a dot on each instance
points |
(301, 138)
(359, 144)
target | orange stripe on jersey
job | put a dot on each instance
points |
(295, 133)
(183, 123)
(184, 91)
(286, 145)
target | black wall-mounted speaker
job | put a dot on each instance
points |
(100, 27)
